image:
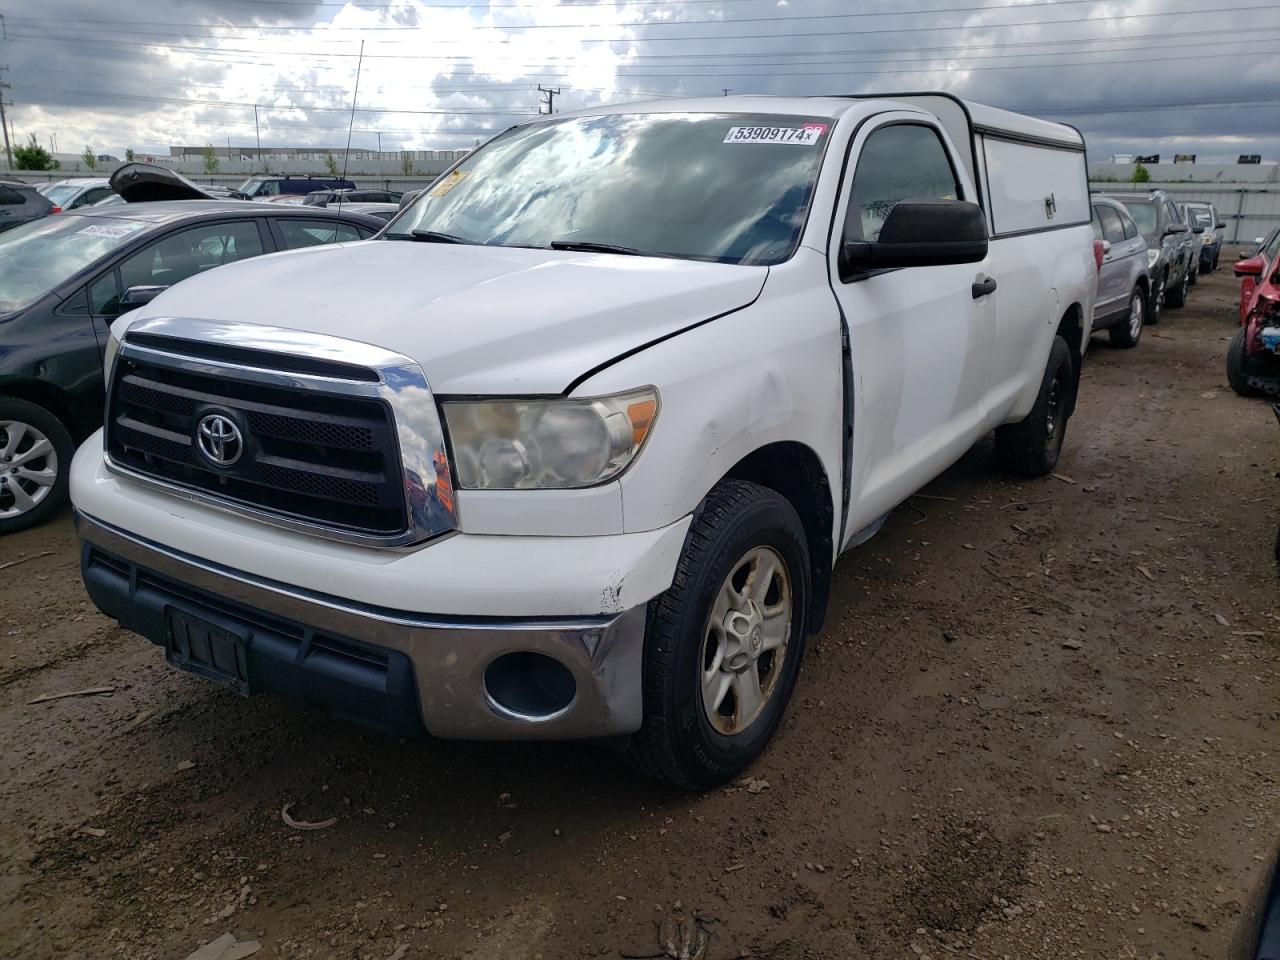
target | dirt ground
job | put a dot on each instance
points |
(1037, 725)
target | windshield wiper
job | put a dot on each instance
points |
(429, 236)
(590, 246)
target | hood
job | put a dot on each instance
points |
(147, 183)
(480, 320)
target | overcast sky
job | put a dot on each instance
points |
(1137, 76)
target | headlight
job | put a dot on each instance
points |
(1153, 254)
(547, 444)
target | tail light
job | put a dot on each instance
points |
(55, 209)
(1097, 254)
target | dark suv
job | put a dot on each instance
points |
(21, 203)
(1171, 247)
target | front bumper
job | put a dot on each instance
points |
(395, 670)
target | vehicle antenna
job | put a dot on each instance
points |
(346, 155)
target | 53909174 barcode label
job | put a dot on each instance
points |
(805, 136)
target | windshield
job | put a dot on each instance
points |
(1145, 216)
(61, 194)
(38, 256)
(731, 188)
(1202, 216)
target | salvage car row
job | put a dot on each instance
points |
(634, 379)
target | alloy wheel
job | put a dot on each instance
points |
(28, 468)
(1137, 315)
(746, 641)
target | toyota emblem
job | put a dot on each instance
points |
(219, 440)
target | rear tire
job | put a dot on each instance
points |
(1239, 366)
(699, 731)
(35, 457)
(1128, 332)
(1031, 447)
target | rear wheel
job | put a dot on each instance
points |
(1031, 447)
(1128, 332)
(724, 643)
(35, 454)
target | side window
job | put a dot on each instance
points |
(1130, 228)
(188, 252)
(10, 198)
(91, 197)
(1174, 215)
(1112, 228)
(104, 295)
(313, 233)
(899, 162)
(1096, 224)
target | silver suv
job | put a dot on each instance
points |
(1205, 216)
(1170, 244)
(1124, 287)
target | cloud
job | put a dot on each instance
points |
(124, 75)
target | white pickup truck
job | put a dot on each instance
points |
(571, 449)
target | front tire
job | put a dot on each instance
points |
(1031, 447)
(35, 457)
(1239, 367)
(724, 644)
(1178, 296)
(1156, 304)
(1128, 332)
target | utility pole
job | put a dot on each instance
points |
(257, 136)
(548, 98)
(379, 146)
(4, 122)
(727, 90)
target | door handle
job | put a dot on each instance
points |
(984, 287)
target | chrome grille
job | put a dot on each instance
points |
(316, 450)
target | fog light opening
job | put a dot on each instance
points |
(529, 686)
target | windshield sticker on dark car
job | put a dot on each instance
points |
(112, 231)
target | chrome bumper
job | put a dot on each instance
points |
(449, 657)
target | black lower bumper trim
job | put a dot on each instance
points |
(346, 678)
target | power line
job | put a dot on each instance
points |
(721, 37)
(400, 28)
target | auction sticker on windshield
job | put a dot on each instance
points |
(805, 136)
(112, 231)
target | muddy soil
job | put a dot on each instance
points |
(1038, 724)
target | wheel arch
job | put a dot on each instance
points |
(1072, 329)
(46, 395)
(795, 471)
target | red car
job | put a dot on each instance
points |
(1253, 359)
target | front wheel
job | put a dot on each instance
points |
(1031, 447)
(723, 645)
(1241, 368)
(1177, 297)
(35, 455)
(1128, 332)
(1156, 303)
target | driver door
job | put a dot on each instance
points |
(920, 338)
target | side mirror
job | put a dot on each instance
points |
(139, 296)
(923, 234)
(1252, 267)
(1106, 247)
(1198, 230)
(1175, 228)
(1219, 226)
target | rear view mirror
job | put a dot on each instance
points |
(924, 234)
(140, 296)
(1252, 267)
